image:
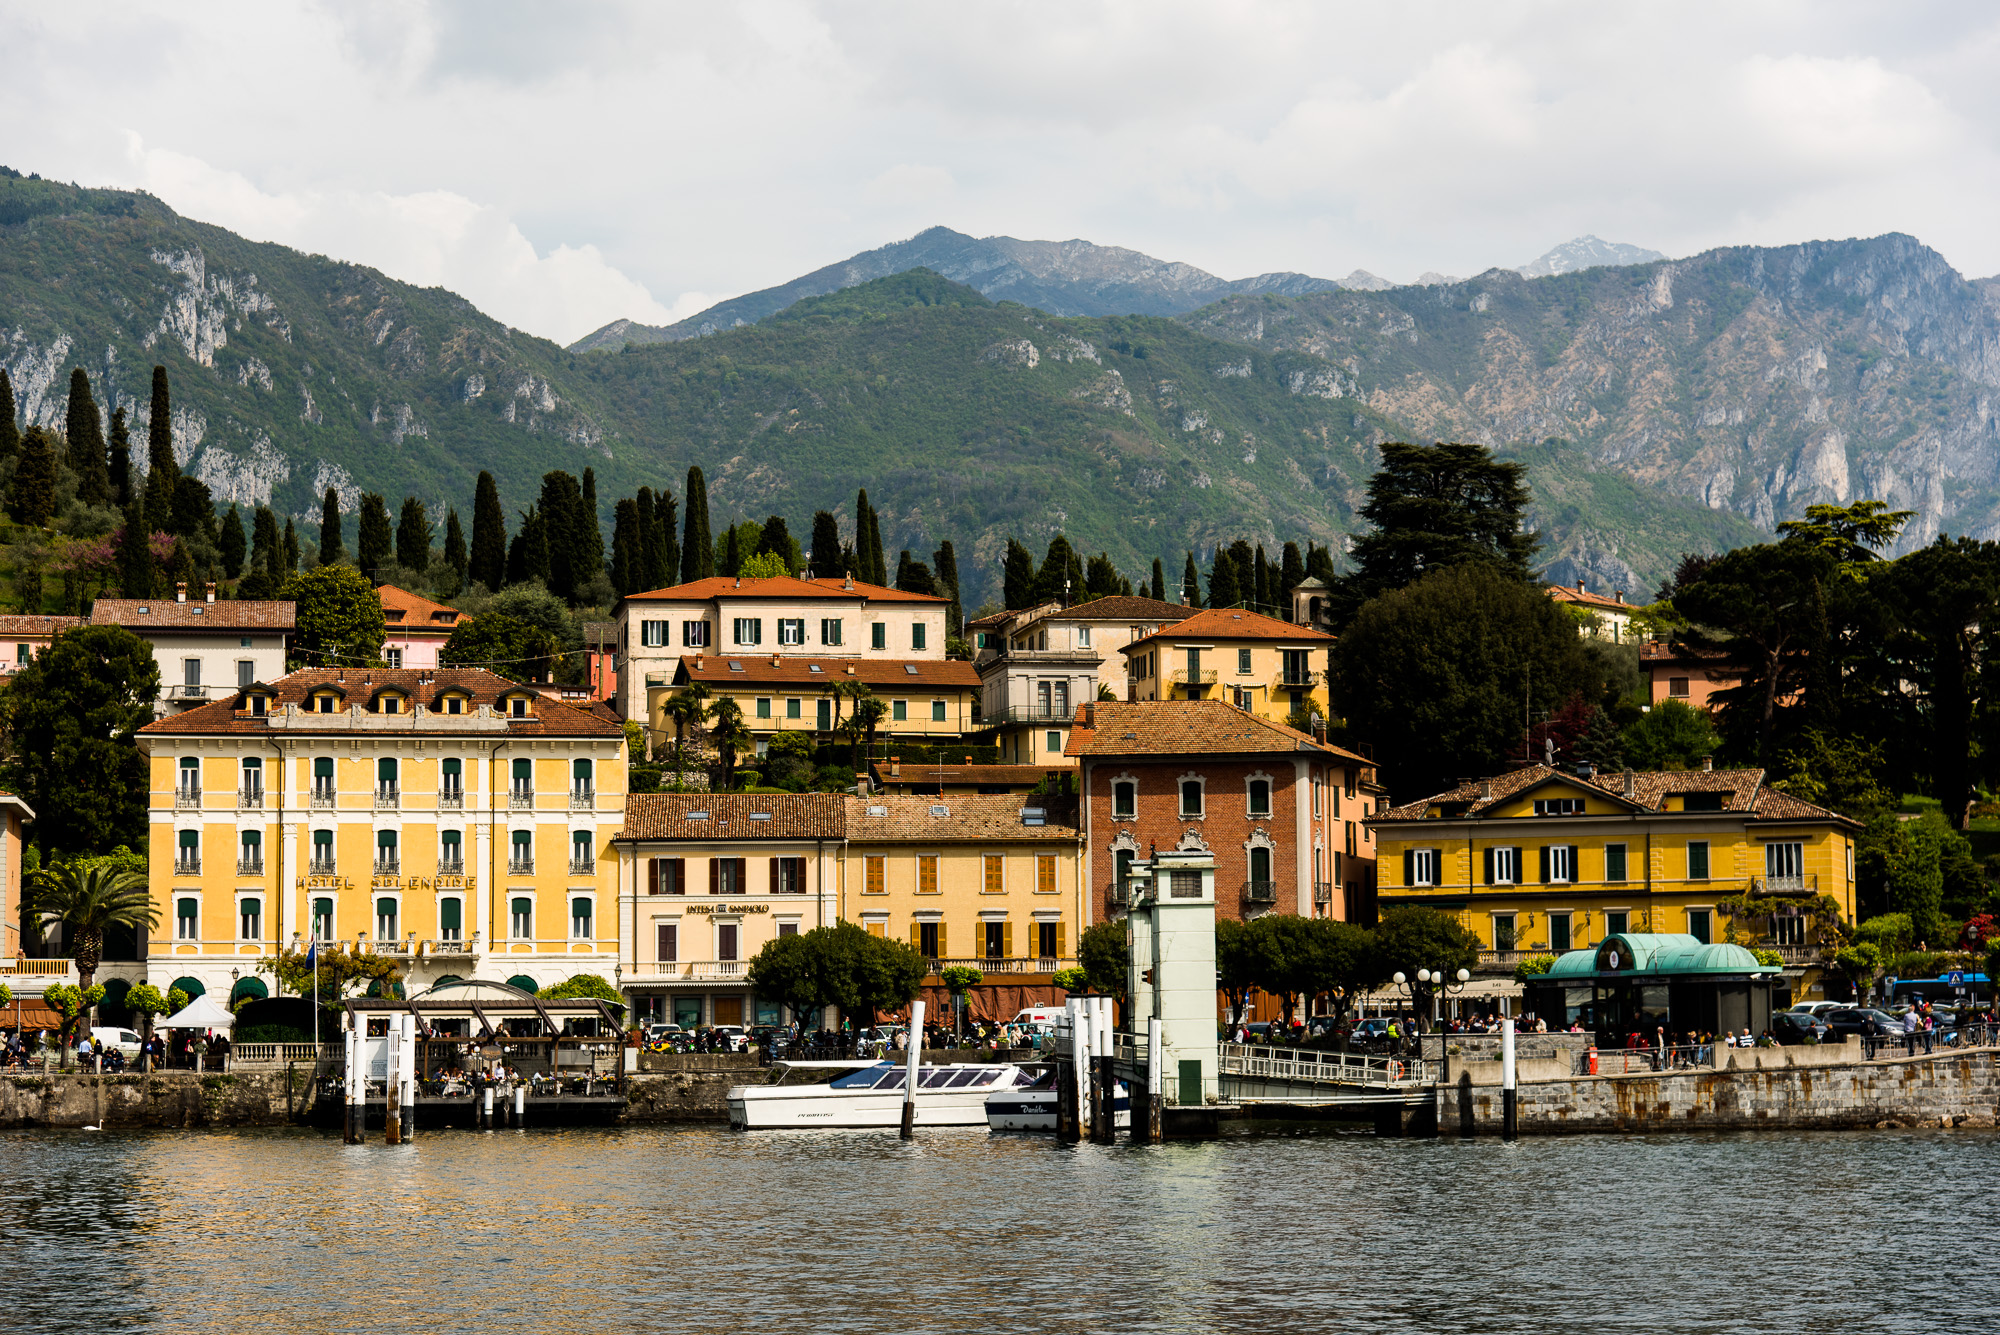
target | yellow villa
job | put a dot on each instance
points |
(451, 818)
(1268, 667)
(1540, 861)
(926, 700)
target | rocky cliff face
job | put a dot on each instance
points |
(1753, 380)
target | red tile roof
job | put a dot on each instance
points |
(883, 674)
(228, 616)
(410, 611)
(1568, 593)
(781, 586)
(1233, 623)
(728, 816)
(19, 625)
(1744, 793)
(361, 686)
(984, 818)
(1185, 727)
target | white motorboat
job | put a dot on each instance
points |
(1032, 1107)
(871, 1095)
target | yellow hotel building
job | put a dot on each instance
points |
(1262, 665)
(451, 818)
(1539, 861)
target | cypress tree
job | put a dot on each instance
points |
(86, 442)
(193, 512)
(231, 544)
(486, 562)
(1263, 581)
(946, 561)
(528, 555)
(413, 536)
(1222, 587)
(264, 540)
(374, 544)
(627, 546)
(454, 544)
(1059, 568)
(137, 577)
(288, 552)
(1319, 564)
(180, 567)
(697, 545)
(667, 544)
(119, 466)
(732, 552)
(825, 557)
(645, 543)
(1017, 577)
(10, 433)
(162, 472)
(331, 545)
(592, 547)
(903, 567)
(868, 541)
(850, 564)
(1191, 583)
(1291, 574)
(776, 538)
(1159, 581)
(31, 497)
(567, 530)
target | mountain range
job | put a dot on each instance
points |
(1660, 407)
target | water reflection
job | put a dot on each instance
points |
(703, 1230)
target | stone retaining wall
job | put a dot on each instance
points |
(168, 1098)
(1962, 1089)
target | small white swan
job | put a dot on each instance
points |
(93, 1128)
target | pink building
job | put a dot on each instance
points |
(415, 628)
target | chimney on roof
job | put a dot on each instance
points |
(739, 581)
(1486, 791)
(180, 591)
(850, 581)
(861, 784)
(895, 767)
(1707, 764)
(1619, 594)
(1090, 714)
(850, 669)
(210, 587)
(1631, 785)
(968, 760)
(1580, 588)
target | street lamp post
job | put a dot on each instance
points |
(1426, 988)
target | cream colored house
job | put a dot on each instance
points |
(206, 649)
(1269, 667)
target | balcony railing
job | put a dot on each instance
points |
(1027, 714)
(39, 968)
(1294, 681)
(250, 799)
(704, 969)
(1322, 892)
(250, 866)
(388, 798)
(1120, 896)
(520, 866)
(321, 867)
(1194, 677)
(187, 866)
(452, 799)
(451, 866)
(583, 800)
(185, 692)
(1260, 892)
(582, 866)
(1796, 955)
(388, 866)
(187, 799)
(321, 799)
(986, 965)
(1786, 887)
(521, 799)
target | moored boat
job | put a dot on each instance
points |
(871, 1095)
(1032, 1107)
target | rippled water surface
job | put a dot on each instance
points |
(701, 1230)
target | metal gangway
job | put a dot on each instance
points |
(1252, 1074)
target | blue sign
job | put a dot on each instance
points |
(1956, 978)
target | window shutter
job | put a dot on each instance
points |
(742, 876)
(715, 875)
(1062, 932)
(1575, 862)
(1409, 866)
(653, 875)
(1544, 850)
(1520, 867)
(774, 875)
(677, 876)
(943, 952)
(916, 936)
(1489, 866)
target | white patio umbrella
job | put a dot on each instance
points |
(201, 1013)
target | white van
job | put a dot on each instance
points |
(124, 1040)
(1040, 1017)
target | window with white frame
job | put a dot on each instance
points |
(1506, 866)
(521, 918)
(747, 630)
(187, 919)
(1125, 799)
(1561, 862)
(791, 630)
(694, 634)
(1260, 798)
(1422, 866)
(250, 919)
(581, 926)
(1785, 864)
(322, 919)
(829, 630)
(653, 634)
(388, 918)
(1193, 795)
(451, 918)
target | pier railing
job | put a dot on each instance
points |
(1322, 1067)
(1921, 1044)
(248, 1056)
(1635, 1061)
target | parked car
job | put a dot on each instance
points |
(1859, 1020)
(1791, 1028)
(124, 1040)
(727, 1038)
(1370, 1035)
(1819, 1008)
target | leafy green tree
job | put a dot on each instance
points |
(1601, 746)
(1104, 955)
(1439, 675)
(1533, 966)
(119, 464)
(842, 966)
(1239, 964)
(413, 536)
(697, 545)
(288, 550)
(763, 565)
(337, 968)
(455, 555)
(528, 557)
(1291, 574)
(1409, 938)
(71, 714)
(1223, 590)
(232, 544)
(590, 543)
(488, 557)
(503, 644)
(374, 542)
(913, 576)
(1860, 962)
(688, 708)
(1060, 579)
(146, 1003)
(89, 901)
(1433, 507)
(72, 1003)
(959, 979)
(1835, 772)
(868, 541)
(339, 618)
(776, 539)
(663, 547)
(1944, 605)
(1671, 735)
(163, 471)
(193, 513)
(31, 494)
(10, 431)
(1851, 534)
(85, 432)
(586, 987)
(731, 736)
(331, 546)
(574, 550)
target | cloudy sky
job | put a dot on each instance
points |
(566, 165)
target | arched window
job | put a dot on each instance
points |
(580, 920)
(1260, 797)
(1191, 797)
(451, 919)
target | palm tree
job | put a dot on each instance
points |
(688, 708)
(868, 712)
(88, 902)
(731, 736)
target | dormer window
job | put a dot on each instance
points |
(325, 704)
(390, 704)
(517, 706)
(258, 704)
(454, 704)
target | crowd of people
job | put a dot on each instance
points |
(184, 1049)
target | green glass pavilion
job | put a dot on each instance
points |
(1640, 983)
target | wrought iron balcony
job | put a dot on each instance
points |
(1120, 896)
(187, 799)
(388, 797)
(187, 866)
(1322, 892)
(1291, 681)
(250, 799)
(583, 800)
(452, 799)
(1786, 887)
(1260, 892)
(1028, 714)
(451, 866)
(322, 799)
(582, 866)
(521, 799)
(321, 867)
(250, 866)
(1193, 677)
(520, 866)
(388, 866)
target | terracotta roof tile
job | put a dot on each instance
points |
(228, 616)
(1123, 608)
(409, 611)
(1184, 727)
(18, 624)
(716, 816)
(913, 772)
(1744, 789)
(782, 586)
(359, 686)
(982, 818)
(881, 673)
(1568, 593)
(1233, 623)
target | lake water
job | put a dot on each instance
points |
(700, 1230)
